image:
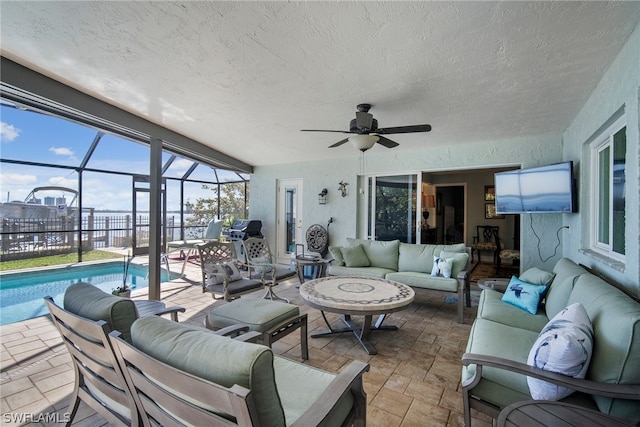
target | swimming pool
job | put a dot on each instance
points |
(21, 294)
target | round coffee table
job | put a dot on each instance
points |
(360, 296)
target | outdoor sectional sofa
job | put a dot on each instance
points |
(495, 369)
(410, 264)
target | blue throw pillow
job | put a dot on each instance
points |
(526, 296)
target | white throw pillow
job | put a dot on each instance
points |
(564, 346)
(442, 267)
(229, 268)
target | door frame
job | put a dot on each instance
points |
(283, 256)
(369, 231)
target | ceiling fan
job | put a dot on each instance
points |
(366, 132)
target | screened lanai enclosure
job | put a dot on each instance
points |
(71, 185)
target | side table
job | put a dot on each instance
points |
(319, 266)
(557, 414)
(496, 284)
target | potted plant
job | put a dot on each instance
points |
(122, 291)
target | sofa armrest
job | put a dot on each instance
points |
(621, 391)
(464, 293)
(348, 380)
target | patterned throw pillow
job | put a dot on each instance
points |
(524, 295)
(214, 270)
(442, 267)
(564, 346)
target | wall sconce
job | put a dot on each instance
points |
(322, 197)
(342, 186)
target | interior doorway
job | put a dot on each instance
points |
(451, 213)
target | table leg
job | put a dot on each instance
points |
(360, 332)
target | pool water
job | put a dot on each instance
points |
(21, 294)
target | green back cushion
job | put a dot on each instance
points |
(557, 297)
(355, 257)
(419, 258)
(460, 260)
(380, 254)
(221, 360)
(616, 349)
(336, 254)
(90, 302)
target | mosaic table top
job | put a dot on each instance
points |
(356, 294)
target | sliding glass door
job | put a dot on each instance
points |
(393, 207)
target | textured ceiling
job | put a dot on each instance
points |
(245, 77)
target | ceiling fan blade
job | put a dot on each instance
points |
(404, 129)
(387, 142)
(339, 143)
(364, 120)
(323, 130)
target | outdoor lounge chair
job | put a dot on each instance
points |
(98, 378)
(181, 374)
(187, 246)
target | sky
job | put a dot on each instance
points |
(34, 137)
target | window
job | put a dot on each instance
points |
(608, 207)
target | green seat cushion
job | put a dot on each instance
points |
(424, 280)
(491, 307)
(499, 386)
(300, 386)
(221, 360)
(380, 253)
(258, 314)
(88, 301)
(616, 345)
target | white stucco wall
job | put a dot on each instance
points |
(527, 152)
(619, 88)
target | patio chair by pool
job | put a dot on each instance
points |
(260, 262)
(187, 246)
(220, 273)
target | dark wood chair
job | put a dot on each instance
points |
(487, 238)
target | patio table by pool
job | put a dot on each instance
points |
(356, 296)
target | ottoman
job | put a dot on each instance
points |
(273, 319)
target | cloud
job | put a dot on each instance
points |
(62, 151)
(13, 179)
(8, 132)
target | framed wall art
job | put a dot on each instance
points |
(489, 193)
(490, 211)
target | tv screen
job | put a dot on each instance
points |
(544, 189)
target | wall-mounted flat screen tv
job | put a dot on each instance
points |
(543, 189)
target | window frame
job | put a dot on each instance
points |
(601, 143)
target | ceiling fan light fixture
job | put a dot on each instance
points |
(363, 142)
